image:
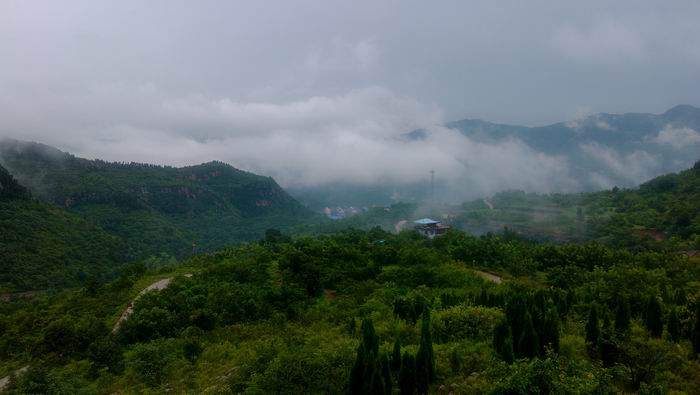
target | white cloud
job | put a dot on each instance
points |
(353, 137)
(631, 168)
(678, 138)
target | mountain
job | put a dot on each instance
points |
(43, 246)
(156, 210)
(607, 149)
(596, 152)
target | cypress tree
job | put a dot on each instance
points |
(370, 365)
(680, 298)
(396, 357)
(422, 371)
(674, 326)
(376, 384)
(407, 375)
(369, 337)
(592, 329)
(695, 334)
(386, 374)
(607, 344)
(528, 344)
(426, 345)
(507, 351)
(515, 313)
(622, 318)
(362, 371)
(654, 320)
(357, 374)
(550, 329)
(500, 334)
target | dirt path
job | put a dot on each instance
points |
(486, 202)
(489, 276)
(156, 286)
(6, 380)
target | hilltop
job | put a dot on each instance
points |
(154, 211)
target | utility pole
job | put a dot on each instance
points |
(432, 186)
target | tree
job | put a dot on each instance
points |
(396, 357)
(528, 344)
(550, 329)
(695, 334)
(407, 375)
(376, 384)
(622, 317)
(592, 328)
(362, 374)
(425, 358)
(653, 319)
(607, 343)
(386, 374)
(674, 326)
(503, 341)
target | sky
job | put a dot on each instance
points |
(313, 92)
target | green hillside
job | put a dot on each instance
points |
(44, 246)
(156, 209)
(335, 313)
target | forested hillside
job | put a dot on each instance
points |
(42, 246)
(156, 210)
(371, 312)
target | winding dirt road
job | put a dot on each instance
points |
(156, 286)
(489, 276)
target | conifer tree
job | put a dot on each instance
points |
(607, 343)
(622, 317)
(357, 373)
(528, 344)
(369, 337)
(654, 320)
(396, 357)
(674, 326)
(370, 366)
(407, 375)
(501, 335)
(363, 369)
(592, 329)
(376, 384)
(386, 374)
(422, 371)
(426, 345)
(550, 330)
(695, 334)
(507, 351)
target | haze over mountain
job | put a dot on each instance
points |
(586, 154)
(319, 95)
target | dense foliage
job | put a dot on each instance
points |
(156, 209)
(385, 313)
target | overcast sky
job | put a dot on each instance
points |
(294, 88)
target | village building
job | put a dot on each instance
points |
(430, 228)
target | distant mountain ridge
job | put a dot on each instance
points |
(599, 151)
(620, 131)
(156, 209)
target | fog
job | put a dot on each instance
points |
(317, 92)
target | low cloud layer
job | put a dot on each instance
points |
(353, 138)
